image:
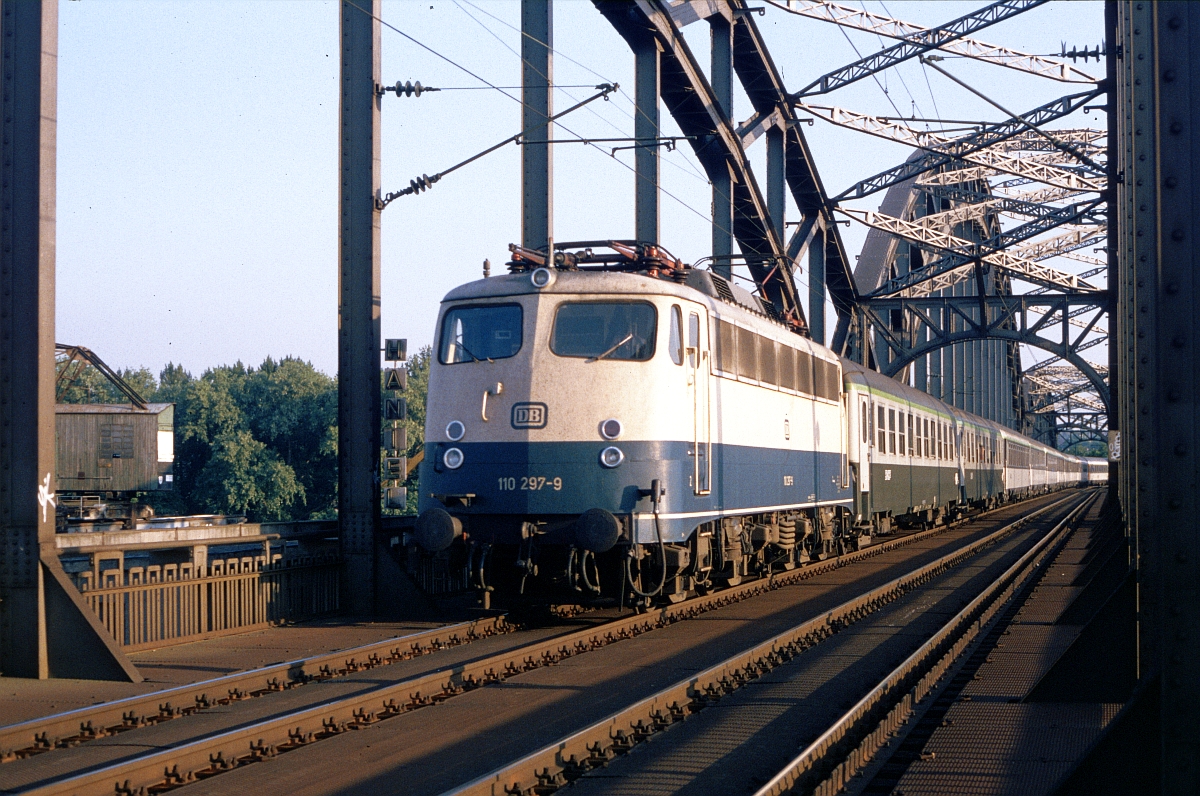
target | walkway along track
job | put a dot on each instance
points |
(569, 758)
(824, 767)
(163, 768)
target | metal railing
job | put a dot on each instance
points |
(153, 606)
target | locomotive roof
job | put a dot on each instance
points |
(747, 307)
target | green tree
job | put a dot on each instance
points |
(261, 442)
(243, 476)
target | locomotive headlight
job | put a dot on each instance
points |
(452, 458)
(455, 430)
(611, 428)
(542, 277)
(610, 457)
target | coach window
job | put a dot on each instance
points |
(676, 341)
(604, 330)
(480, 332)
(864, 422)
(882, 425)
(909, 416)
(901, 433)
(891, 431)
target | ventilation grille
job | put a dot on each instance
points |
(723, 289)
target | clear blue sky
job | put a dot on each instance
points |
(197, 158)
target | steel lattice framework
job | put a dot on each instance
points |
(945, 294)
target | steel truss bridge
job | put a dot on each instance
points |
(961, 278)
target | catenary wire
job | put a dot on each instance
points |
(564, 127)
(510, 96)
(559, 53)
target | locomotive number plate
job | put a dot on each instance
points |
(534, 483)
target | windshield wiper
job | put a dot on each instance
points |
(625, 340)
(471, 354)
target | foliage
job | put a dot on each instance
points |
(260, 442)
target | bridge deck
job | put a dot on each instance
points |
(23, 699)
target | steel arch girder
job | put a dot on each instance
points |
(692, 102)
(1010, 308)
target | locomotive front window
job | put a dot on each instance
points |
(480, 333)
(604, 330)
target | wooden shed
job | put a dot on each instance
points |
(116, 448)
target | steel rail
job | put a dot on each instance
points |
(72, 727)
(558, 763)
(164, 768)
(924, 664)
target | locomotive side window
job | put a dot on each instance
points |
(676, 342)
(604, 330)
(747, 348)
(479, 332)
(787, 367)
(766, 361)
(804, 372)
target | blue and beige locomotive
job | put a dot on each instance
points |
(620, 425)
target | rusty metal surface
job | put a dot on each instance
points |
(22, 739)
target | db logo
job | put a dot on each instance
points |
(529, 415)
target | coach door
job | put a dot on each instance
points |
(863, 441)
(698, 375)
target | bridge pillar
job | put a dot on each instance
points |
(359, 384)
(1158, 94)
(722, 184)
(46, 629)
(816, 287)
(537, 98)
(647, 88)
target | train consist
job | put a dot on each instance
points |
(620, 425)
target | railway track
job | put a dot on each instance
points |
(72, 728)
(829, 760)
(129, 750)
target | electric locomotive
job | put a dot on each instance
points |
(616, 424)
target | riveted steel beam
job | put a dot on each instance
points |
(918, 43)
(46, 630)
(696, 107)
(359, 396)
(537, 106)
